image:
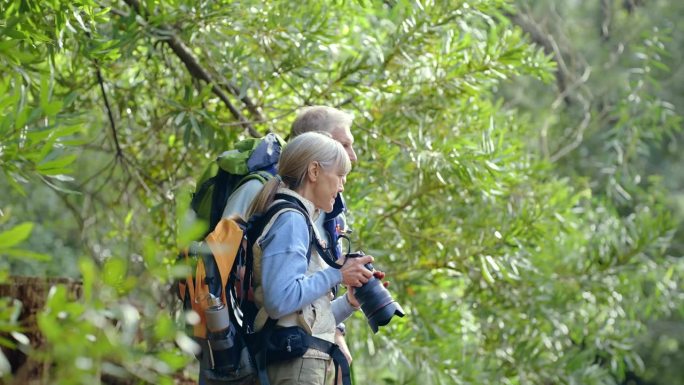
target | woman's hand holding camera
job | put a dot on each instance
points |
(351, 298)
(354, 273)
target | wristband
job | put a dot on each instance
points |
(342, 329)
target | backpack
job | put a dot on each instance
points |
(220, 282)
(253, 158)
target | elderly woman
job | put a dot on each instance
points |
(293, 284)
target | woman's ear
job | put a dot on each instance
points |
(312, 171)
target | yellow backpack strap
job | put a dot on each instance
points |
(199, 291)
(224, 242)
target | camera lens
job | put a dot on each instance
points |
(376, 301)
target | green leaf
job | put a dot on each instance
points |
(44, 92)
(114, 271)
(20, 120)
(37, 135)
(7, 343)
(128, 219)
(15, 235)
(20, 254)
(14, 183)
(164, 328)
(485, 271)
(90, 276)
(52, 108)
(56, 166)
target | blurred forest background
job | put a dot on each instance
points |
(518, 176)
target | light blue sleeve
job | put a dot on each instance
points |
(283, 267)
(342, 309)
(239, 201)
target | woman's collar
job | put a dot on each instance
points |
(310, 208)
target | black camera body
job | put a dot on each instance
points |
(376, 301)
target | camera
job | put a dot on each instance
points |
(376, 301)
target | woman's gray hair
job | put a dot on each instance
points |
(311, 147)
(294, 163)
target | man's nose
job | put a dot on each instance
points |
(352, 155)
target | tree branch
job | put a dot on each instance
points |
(110, 115)
(550, 48)
(606, 19)
(196, 70)
(631, 5)
(578, 134)
(199, 72)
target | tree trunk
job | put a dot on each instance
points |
(32, 293)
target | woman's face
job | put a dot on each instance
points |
(329, 182)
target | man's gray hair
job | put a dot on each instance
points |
(320, 118)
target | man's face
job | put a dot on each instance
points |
(345, 137)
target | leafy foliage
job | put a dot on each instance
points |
(517, 264)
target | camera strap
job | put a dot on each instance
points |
(337, 356)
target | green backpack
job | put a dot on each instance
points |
(253, 158)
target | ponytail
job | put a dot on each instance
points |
(265, 197)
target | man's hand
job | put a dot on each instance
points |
(381, 275)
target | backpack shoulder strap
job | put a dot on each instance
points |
(322, 251)
(258, 223)
(262, 176)
(254, 229)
